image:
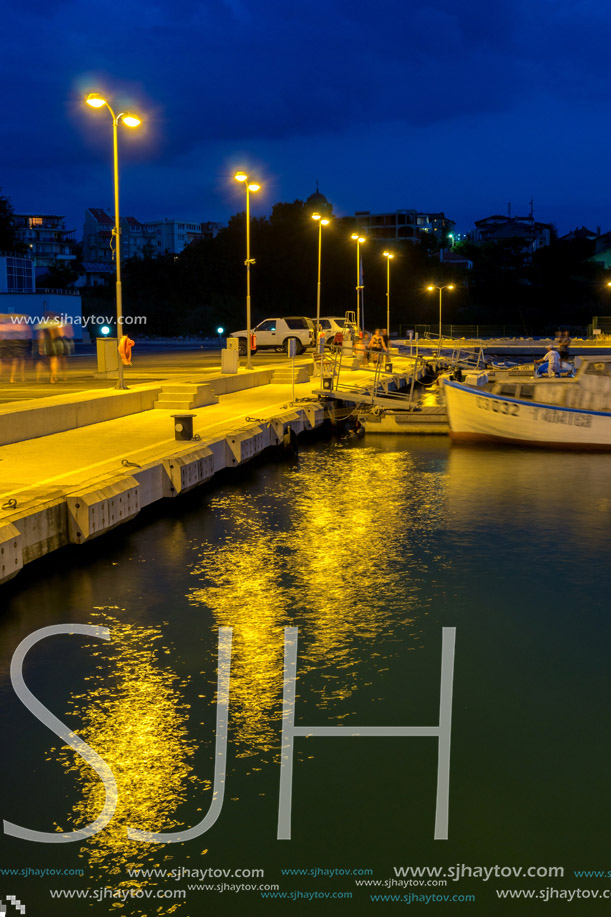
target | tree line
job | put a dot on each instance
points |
(204, 286)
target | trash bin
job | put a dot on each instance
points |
(327, 383)
(183, 426)
(388, 367)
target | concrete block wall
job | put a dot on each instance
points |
(94, 512)
(11, 552)
(183, 472)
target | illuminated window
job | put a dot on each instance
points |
(36, 221)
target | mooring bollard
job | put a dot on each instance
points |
(183, 426)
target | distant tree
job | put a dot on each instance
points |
(59, 276)
(8, 239)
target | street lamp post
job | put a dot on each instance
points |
(250, 186)
(447, 286)
(97, 101)
(359, 286)
(388, 256)
(322, 221)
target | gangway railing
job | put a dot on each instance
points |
(376, 392)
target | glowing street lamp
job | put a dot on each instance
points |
(322, 221)
(359, 286)
(97, 101)
(447, 286)
(250, 186)
(388, 256)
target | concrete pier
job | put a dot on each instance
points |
(73, 467)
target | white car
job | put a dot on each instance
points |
(276, 333)
(334, 325)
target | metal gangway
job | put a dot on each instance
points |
(374, 394)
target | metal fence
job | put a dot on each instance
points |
(464, 331)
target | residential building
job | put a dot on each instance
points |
(447, 256)
(602, 251)
(583, 233)
(405, 225)
(98, 242)
(48, 241)
(173, 236)
(98, 237)
(497, 228)
(95, 274)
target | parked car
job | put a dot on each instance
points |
(276, 333)
(335, 325)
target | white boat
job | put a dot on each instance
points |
(554, 413)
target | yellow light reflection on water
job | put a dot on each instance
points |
(246, 592)
(329, 554)
(133, 715)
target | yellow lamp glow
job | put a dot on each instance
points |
(241, 176)
(253, 186)
(316, 216)
(131, 120)
(95, 100)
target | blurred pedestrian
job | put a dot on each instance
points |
(65, 347)
(49, 348)
(20, 346)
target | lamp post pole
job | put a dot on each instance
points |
(250, 186)
(322, 221)
(447, 286)
(96, 101)
(359, 286)
(117, 235)
(388, 256)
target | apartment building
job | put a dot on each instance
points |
(405, 225)
(173, 236)
(497, 227)
(47, 240)
(99, 242)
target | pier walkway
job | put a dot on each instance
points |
(74, 466)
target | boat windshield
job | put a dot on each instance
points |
(599, 368)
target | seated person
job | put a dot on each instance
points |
(550, 363)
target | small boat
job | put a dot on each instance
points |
(554, 413)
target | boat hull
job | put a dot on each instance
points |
(477, 416)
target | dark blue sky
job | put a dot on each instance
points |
(454, 106)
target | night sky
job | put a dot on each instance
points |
(462, 107)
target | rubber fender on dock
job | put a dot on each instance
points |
(290, 442)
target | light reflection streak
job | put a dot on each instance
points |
(328, 554)
(133, 716)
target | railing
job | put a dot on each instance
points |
(60, 292)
